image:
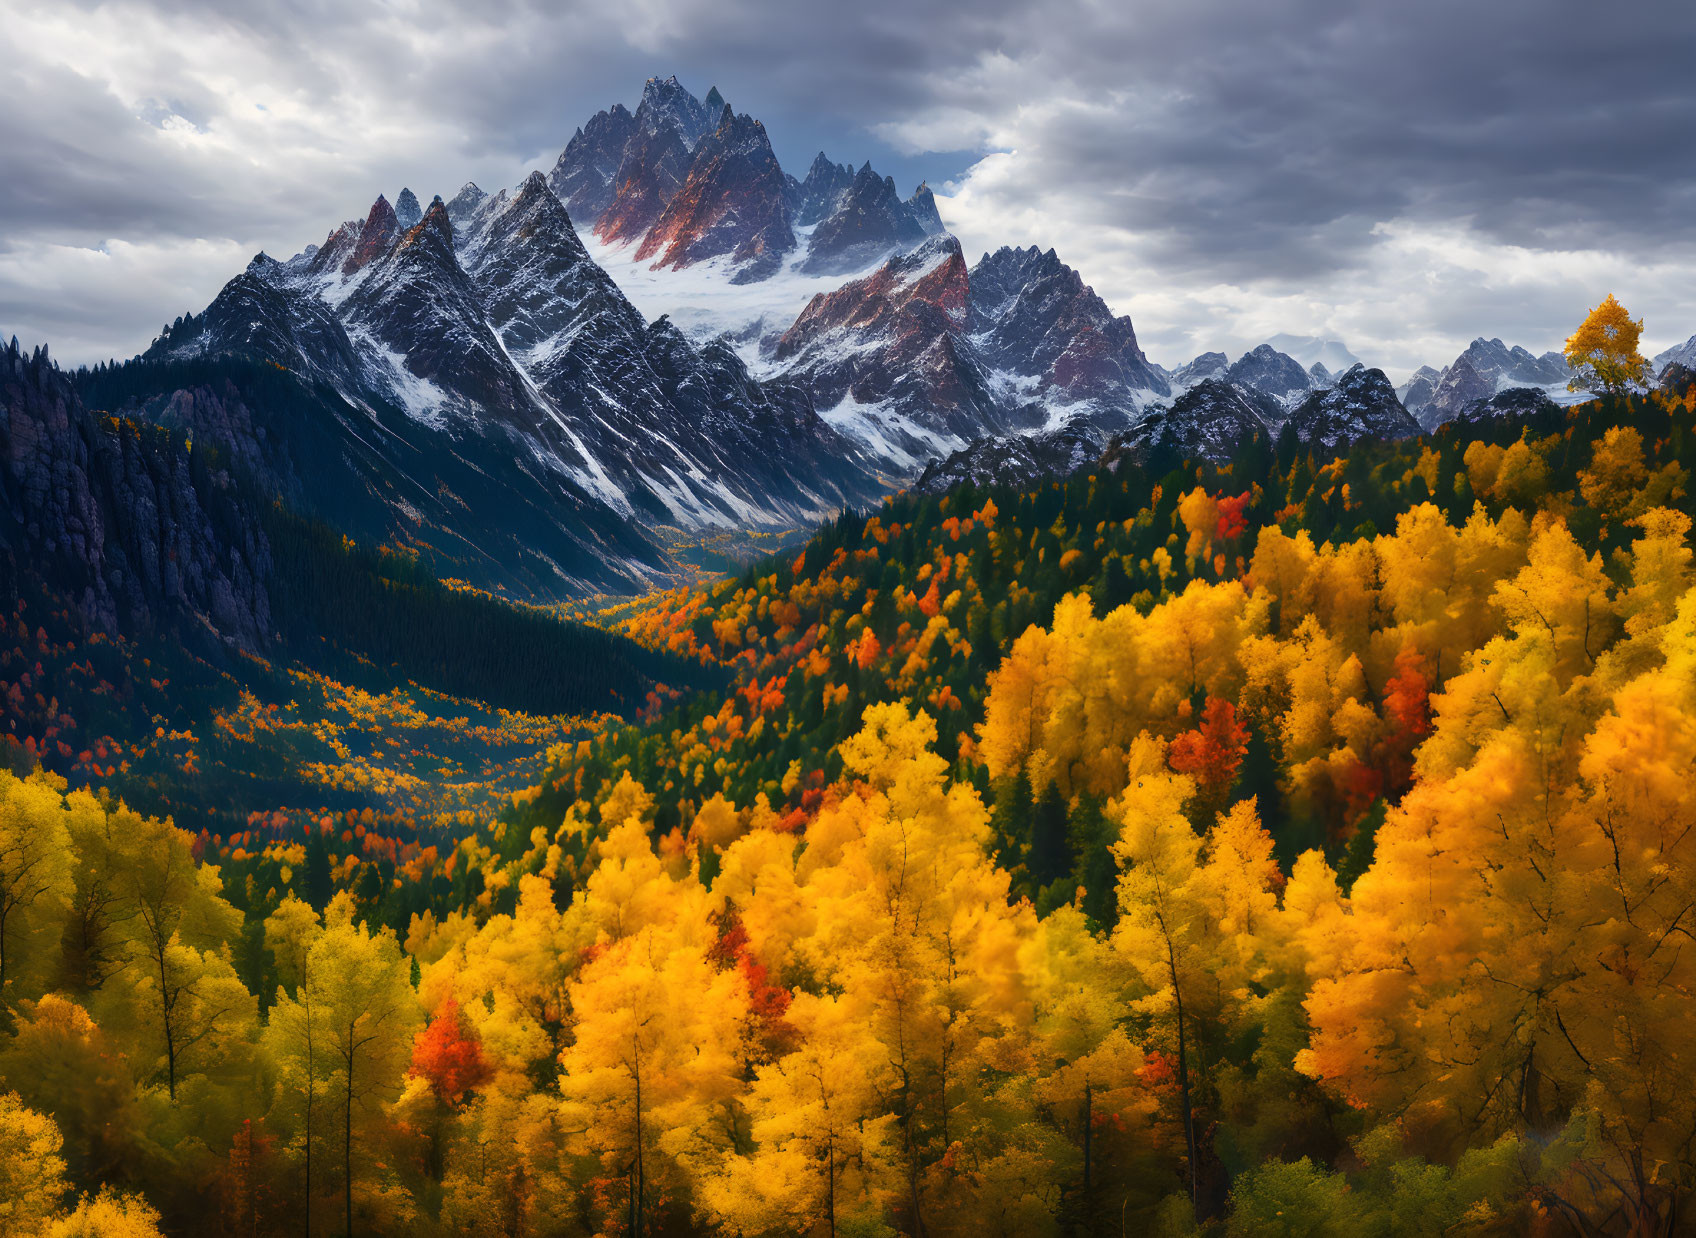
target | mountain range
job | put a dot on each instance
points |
(544, 389)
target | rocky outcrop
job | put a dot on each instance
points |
(1210, 422)
(1016, 461)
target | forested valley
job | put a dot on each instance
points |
(1292, 845)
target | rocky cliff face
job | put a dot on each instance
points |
(1416, 392)
(583, 176)
(667, 126)
(121, 517)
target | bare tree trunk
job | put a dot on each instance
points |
(1184, 1081)
(347, 1145)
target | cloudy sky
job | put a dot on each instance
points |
(1403, 175)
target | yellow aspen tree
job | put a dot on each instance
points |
(32, 1171)
(290, 931)
(35, 884)
(653, 1058)
(913, 920)
(1603, 350)
(1160, 929)
(823, 1138)
(347, 1035)
(176, 915)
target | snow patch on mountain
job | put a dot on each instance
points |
(888, 434)
(704, 303)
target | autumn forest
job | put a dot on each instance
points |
(1301, 844)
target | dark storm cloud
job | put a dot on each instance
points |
(1176, 146)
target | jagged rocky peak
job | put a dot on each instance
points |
(868, 222)
(1031, 315)
(934, 276)
(1679, 354)
(669, 124)
(437, 217)
(1486, 367)
(666, 104)
(621, 169)
(378, 234)
(407, 210)
(734, 201)
(464, 203)
(1319, 376)
(536, 279)
(1363, 405)
(1501, 364)
(887, 362)
(583, 175)
(923, 207)
(817, 196)
(1277, 374)
(1457, 388)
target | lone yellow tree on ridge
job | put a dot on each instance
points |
(1603, 350)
